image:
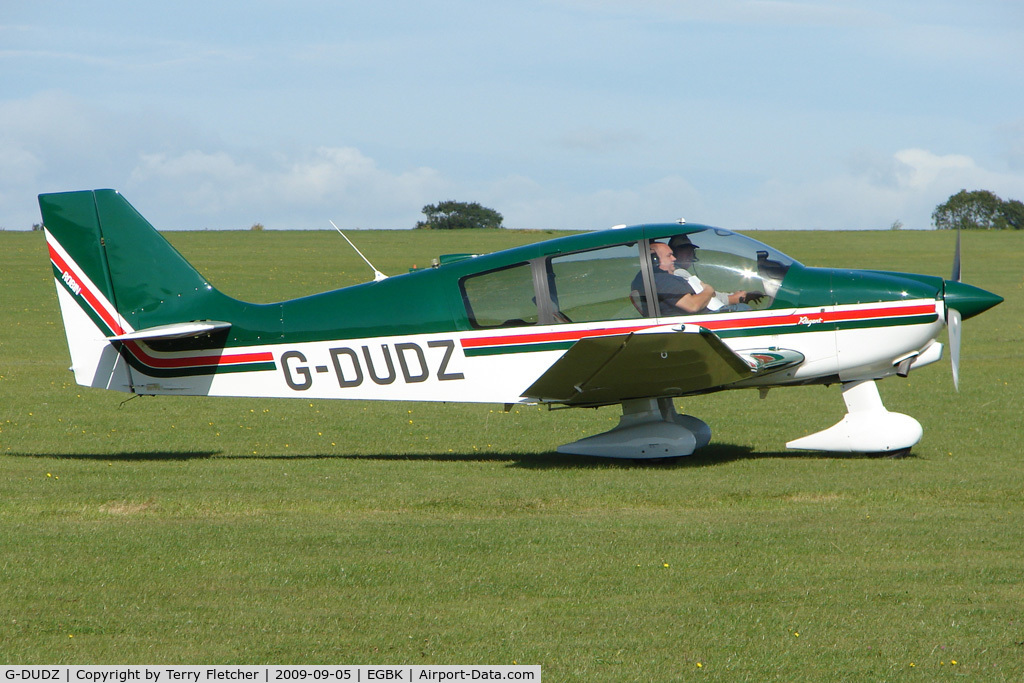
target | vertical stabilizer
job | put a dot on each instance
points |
(117, 276)
(146, 280)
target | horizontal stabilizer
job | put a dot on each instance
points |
(173, 331)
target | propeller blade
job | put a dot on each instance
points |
(955, 277)
(953, 318)
(953, 322)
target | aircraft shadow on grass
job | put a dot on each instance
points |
(710, 456)
(140, 456)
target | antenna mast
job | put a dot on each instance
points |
(377, 275)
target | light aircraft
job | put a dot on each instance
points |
(589, 319)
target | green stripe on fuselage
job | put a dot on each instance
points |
(828, 326)
(729, 334)
(193, 371)
(518, 348)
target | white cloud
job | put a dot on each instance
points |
(876, 191)
(301, 190)
(181, 178)
(920, 169)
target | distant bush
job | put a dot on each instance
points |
(452, 215)
(257, 227)
(979, 210)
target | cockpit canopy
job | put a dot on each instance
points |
(617, 281)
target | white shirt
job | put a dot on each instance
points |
(717, 301)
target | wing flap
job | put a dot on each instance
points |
(605, 370)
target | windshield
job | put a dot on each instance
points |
(744, 273)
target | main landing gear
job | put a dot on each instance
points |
(649, 428)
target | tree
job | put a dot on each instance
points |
(978, 210)
(1013, 212)
(452, 215)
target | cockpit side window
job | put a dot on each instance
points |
(616, 282)
(594, 285)
(743, 273)
(500, 298)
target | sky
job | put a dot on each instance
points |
(560, 114)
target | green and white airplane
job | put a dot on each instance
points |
(635, 316)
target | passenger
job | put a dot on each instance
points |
(685, 253)
(675, 294)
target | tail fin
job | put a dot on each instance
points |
(134, 309)
(144, 278)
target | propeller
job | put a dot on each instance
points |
(953, 318)
(955, 277)
(962, 301)
(953, 323)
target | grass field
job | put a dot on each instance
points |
(194, 530)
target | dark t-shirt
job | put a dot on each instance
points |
(671, 288)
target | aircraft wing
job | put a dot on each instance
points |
(604, 370)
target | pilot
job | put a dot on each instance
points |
(675, 294)
(685, 253)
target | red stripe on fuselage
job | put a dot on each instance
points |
(710, 324)
(568, 335)
(824, 316)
